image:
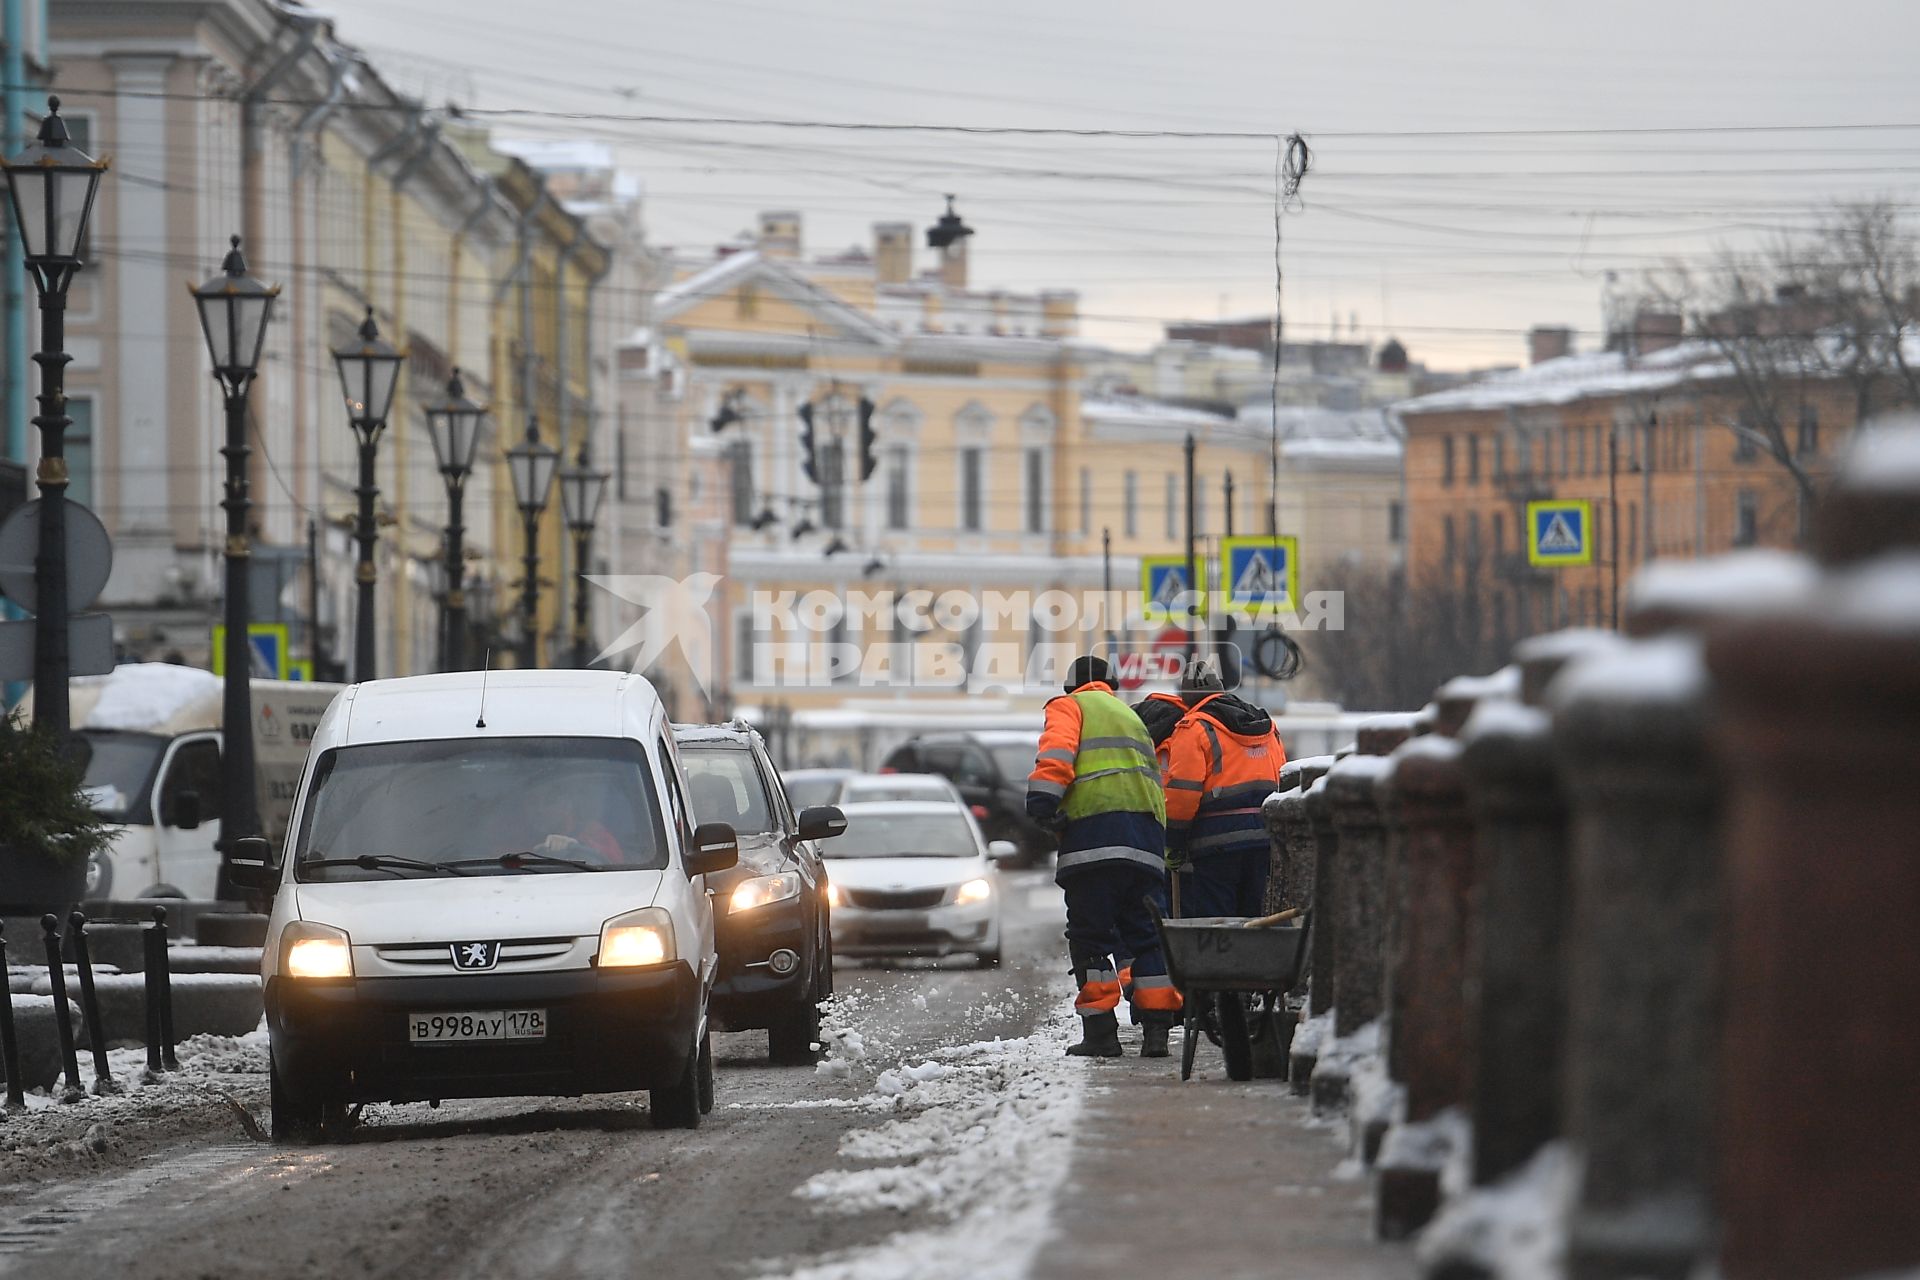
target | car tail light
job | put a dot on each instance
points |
(979, 810)
(887, 768)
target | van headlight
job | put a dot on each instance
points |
(636, 939)
(974, 891)
(310, 950)
(760, 891)
(833, 894)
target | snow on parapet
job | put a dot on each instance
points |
(145, 695)
(1885, 454)
(1667, 670)
(1752, 580)
(1578, 377)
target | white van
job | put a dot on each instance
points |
(152, 733)
(493, 887)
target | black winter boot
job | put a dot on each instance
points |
(1154, 1026)
(1099, 1037)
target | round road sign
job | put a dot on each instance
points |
(89, 555)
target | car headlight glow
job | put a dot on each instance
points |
(638, 938)
(310, 950)
(760, 891)
(833, 894)
(974, 891)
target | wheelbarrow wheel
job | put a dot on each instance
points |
(1235, 1044)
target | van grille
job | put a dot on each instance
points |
(896, 899)
(437, 957)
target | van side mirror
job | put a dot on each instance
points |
(186, 810)
(1003, 851)
(250, 864)
(822, 822)
(715, 848)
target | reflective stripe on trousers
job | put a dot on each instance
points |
(1099, 993)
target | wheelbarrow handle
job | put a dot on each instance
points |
(1278, 917)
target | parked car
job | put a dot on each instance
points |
(151, 734)
(915, 878)
(495, 886)
(808, 787)
(776, 953)
(862, 788)
(989, 768)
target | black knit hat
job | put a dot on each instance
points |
(1088, 670)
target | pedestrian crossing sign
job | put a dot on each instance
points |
(268, 641)
(1165, 589)
(1559, 532)
(1262, 574)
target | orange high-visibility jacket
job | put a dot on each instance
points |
(1221, 761)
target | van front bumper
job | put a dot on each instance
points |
(608, 1031)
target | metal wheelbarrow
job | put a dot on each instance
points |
(1214, 961)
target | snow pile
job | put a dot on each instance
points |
(979, 1137)
(145, 695)
(1311, 1034)
(1374, 1101)
(841, 1046)
(1433, 1145)
(1514, 1229)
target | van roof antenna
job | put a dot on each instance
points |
(480, 722)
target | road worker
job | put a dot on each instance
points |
(1097, 781)
(1219, 763)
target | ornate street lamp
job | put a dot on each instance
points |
(582, 490)
(369, 371)
(234, 309)
(52, 184)
(454, 424)
(530, 465)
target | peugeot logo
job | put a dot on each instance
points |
(475, 956)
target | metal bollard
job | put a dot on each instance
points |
(90, 1004)
(62, 1019)
(1629, 733)
(151, 973)
(1819, 726)
(9, 1038)
(163, 984)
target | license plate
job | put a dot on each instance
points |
(897, 921)
(485, 1025)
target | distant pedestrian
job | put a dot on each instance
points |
(1097, 781)
(1221, 762)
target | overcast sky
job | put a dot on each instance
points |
(1455, 243)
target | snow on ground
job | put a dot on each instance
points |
(1512, 1230)
(978, 1139)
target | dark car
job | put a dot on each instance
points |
(989, 768)
(770, 911)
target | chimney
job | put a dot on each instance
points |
(1059, 313)
(1548, 342)
(779, 234)
(1655, 331)
(892, 252)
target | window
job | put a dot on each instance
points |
(899, 496)
(1746, 519)
(1036, 490)
(1130, 496)
(747, 302)
(1526, 456)
(1808, 442)
(1473, 537)
(1745, 436)
(1633, 532)
(1499, 456)
(743, 647)
(1199, 506)
(1446, 459)
(1086, 501)
(1396, 521)
(970, 462)
(79, 446)
(1446, 539)
(1173, 525)
(1499, 533)
(1580, 451)
(724, 786)
(194, 769)
(1473, 459)
(663, 507)
(832, 463)
(739, 480)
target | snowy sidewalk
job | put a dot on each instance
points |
(1208, 1179)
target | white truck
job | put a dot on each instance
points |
(152, 730)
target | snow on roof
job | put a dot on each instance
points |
(1577, 377)
(1141, 411)
(142, 696)
(558, 153)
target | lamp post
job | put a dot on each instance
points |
(454, 424)
(234, 309)
(369, 370)
(52, 184)
(530, 465)
(582, 490)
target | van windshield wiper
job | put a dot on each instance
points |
(515, 861)
(385, 862)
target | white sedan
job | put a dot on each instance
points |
(915, 878)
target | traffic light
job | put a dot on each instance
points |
(806, 443)
(868, 438)
(729, 412)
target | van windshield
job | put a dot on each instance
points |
(119, 768)
(567, 801)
